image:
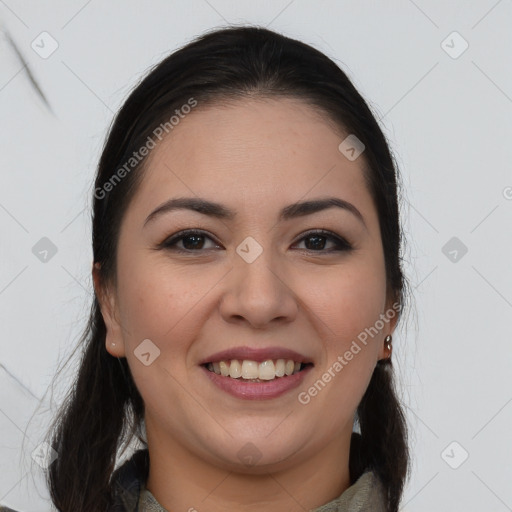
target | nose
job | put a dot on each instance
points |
(258, 293)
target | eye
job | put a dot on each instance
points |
(318, 241)
(193, 241)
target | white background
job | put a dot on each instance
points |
(448, 121)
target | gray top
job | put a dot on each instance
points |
(365, 495)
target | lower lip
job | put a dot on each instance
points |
(257, 390)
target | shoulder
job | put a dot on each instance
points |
(128, 480)
(365, 495)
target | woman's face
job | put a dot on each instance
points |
(254, 286)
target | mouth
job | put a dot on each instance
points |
(249, 373)
(248, 370)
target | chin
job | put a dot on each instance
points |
(259, 455)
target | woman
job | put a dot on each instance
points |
(247, 281)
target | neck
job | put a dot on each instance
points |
(180, 480)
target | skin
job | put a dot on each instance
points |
(255, 156)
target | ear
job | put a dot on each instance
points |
(114, 342)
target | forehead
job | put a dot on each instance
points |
(259, 153)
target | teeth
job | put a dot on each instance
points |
(224, 368)
(268, 370)
(235, 370)
(252, 370)
(280, 366)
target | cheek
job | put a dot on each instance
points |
(156, 298)
(168, 305)
(158, 303)
(349, 302)
(346, 300)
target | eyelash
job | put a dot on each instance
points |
(170, 243)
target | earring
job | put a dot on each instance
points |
(387, 343)
(113, 343)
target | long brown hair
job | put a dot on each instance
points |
(104, 411)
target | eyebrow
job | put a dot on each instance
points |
(222, 212)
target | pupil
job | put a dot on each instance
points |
(197, 238)
(316, 245)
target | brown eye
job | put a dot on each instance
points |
(316, 241)
(192, 241)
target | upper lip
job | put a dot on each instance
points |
(256, 354)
